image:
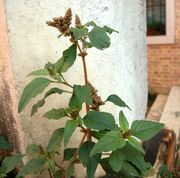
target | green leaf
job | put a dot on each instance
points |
(145, 129)
(4, 145)
(91, 23)
(69, 170)
(56, 114)
(90, 162)
(133, 156)
(33, 166)
(55, 140)
(83, 93)
(33, 149)
(133, 142)
(78, 33)
(34, 88)
(69, 130)
(99, 120)
(9, 163)
(116, 160)
(109, 30)
(68, 59)
(69, 154)
(109, 142)
(75, 103)
(123, 121)
(117, 101)
(50, 164)
(99, 38)
(41, 102)
(39, 72)
(106, 166)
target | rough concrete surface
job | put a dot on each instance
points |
(121, 69)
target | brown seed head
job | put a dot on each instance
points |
(77, 21)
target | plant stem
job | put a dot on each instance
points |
(50, 174)
(86, 83)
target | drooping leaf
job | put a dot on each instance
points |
(75, 103)
(99, 38)
(56, 114)
(33, 166)
(78, 32)
(109, 142)
(145, 129)
(116, 160)
(4, 145)
(55, 140)
(90, 162)
(68, 59)
(134, 142)
(41, 102)
(34, 88)
(123, 121)
(39, 72)
(69, 154)
(99, 120)
(117, 101)
(33, 149)
(9, 163)
(69, 130)
(109, 30)
(83, 93)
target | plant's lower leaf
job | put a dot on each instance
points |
(109, 142)
(69, 130)
(69, 154)
(116, 160)
(33, 166)
(90, 162)
(145, 130)
(55, 140)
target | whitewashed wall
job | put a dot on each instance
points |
(121, 69)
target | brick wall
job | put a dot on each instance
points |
(164, 61)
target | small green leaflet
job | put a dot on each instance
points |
(117, 101)
(145, 130)
(55, 140)
(34, 88)
(123, 122)
(39, 72)
(99, 38)
(91, 23)
(109, 30)
(78, 33)
(134, 142)
(99, 120)
(90, 162)
(41, 102)
(56, 114)
(109, 142)
(69, 130)
(75, 103)
(69, 154)
(33, 149)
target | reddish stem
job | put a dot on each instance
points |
(50, 174)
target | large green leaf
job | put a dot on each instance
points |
(109, 142)
(90, 162)
(78, 32)
(99, 38)
(9, 163)
(33, 166)
(56, 114)
(123, 121)
(83, 93)
(41, 102)
(69, 154)
(116, 160)
(39, 72)
(55, 140)
(69, 130)
(34, 88)
(68, 59)
(117, 101)
(145, 129)
(4, 145)
(134, 142)
(99, 120)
